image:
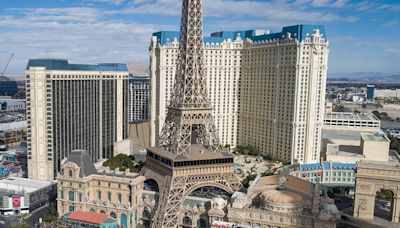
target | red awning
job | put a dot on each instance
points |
(88, 217)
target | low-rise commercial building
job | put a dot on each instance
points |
(327, 173)
(21, 196)
(351, 121)
(11, 105)
(346, 129)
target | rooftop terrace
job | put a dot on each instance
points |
(351, 116)
(18, 184)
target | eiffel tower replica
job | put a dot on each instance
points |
(189, 155)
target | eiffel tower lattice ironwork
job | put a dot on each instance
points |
(189, 155)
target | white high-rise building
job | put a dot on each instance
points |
(267, 89)
(73, 106)
(138, 104)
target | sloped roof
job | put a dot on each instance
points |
(82, 159)
(88, 217)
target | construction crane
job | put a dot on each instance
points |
(9, 60)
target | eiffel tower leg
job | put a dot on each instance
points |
(170, 203)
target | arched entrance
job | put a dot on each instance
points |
(377, 192)
(384, 201)
(201, 223)
(210, 192)
(151, 185)
(187, 221)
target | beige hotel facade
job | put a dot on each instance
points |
(267, 89)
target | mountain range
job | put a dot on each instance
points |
(365, 77)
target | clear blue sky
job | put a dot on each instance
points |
(363, 35)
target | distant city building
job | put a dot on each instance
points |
(356, 97)
(22, 196)
(73, 106)
(139, 92)
(280, 111)
(113, 193)
(387, 93)
(11, 105)
(8, 87)
(370, 92)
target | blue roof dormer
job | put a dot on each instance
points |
(300, 32)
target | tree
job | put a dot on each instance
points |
(252, 150)
(394, 143)
(384, 116)
(268, 157)
(123, 162)
(339, 108)
(19, 225)
(377, 114)
(246, 181)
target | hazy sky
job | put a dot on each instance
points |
(363, 35)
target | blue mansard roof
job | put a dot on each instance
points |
(310, 166)
(300, 32)
(327, 166)
(62, 64)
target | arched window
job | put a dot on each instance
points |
(187, 220)
(71, 196)
(124, 222)
(102, 211)
(112, 214)
(92, 210)
(201, 223)
(70, 173)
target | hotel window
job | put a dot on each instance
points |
(80, 197)
(119, 197)
(62, 194)
(71, 196)
(109, 196)
(99, 195)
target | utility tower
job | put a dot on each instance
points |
(189, 155)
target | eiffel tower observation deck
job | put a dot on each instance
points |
(188, 155)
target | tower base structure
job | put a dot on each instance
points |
(177, 176)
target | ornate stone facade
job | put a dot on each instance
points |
(371, 177)
(81, 188)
